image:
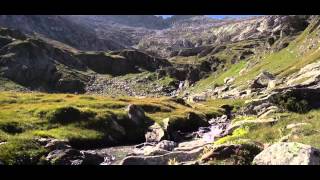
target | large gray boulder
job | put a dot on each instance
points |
(288, 153)
(136, 114)
(74, 157)
(166, 145)
(155, 133)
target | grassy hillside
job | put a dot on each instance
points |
(86, 121)
(301, 51)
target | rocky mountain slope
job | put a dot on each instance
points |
(240, 92)
(201, 31)
(61, 29)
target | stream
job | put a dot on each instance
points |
(185, 152)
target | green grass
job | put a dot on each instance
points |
(218, 79)
(166, 81)
(287, 61)
(86, 121)
(271, 133)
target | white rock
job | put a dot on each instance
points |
(288, 153)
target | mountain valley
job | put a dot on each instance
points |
(144, 90)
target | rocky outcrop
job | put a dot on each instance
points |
(307, 76)
(262, 80)
(290, 153)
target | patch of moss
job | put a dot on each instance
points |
(289, 102)
(236, 135)
(66, 115)
(21, 151)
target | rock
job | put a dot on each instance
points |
(296, 125)
(56, 144)
(239, 153)
(288, 153)
(191, 145)
(197, 98)
(91, 158)
(219, 90)
(153, 150)
(74, 157)
(180, 156)
(272, 84)
(155, 133)
(308, 75)
(145, 144)
(262, 80)
(166, 145)
(269, 111)
(2, 143)
(136, 114)
(228, 80)
(63, 156)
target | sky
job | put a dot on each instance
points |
(214, 16)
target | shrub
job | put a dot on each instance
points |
(291, 103)
(21, 151)
(66, 115)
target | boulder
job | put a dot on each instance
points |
(155, 133)
(228, 80)
(74, 157)
(136, 114)
(166, 145)
(272, 84)
(56, 144)
(63, 156)
(288, 153)
(262, 80)
(197, 98)
(91, 158)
